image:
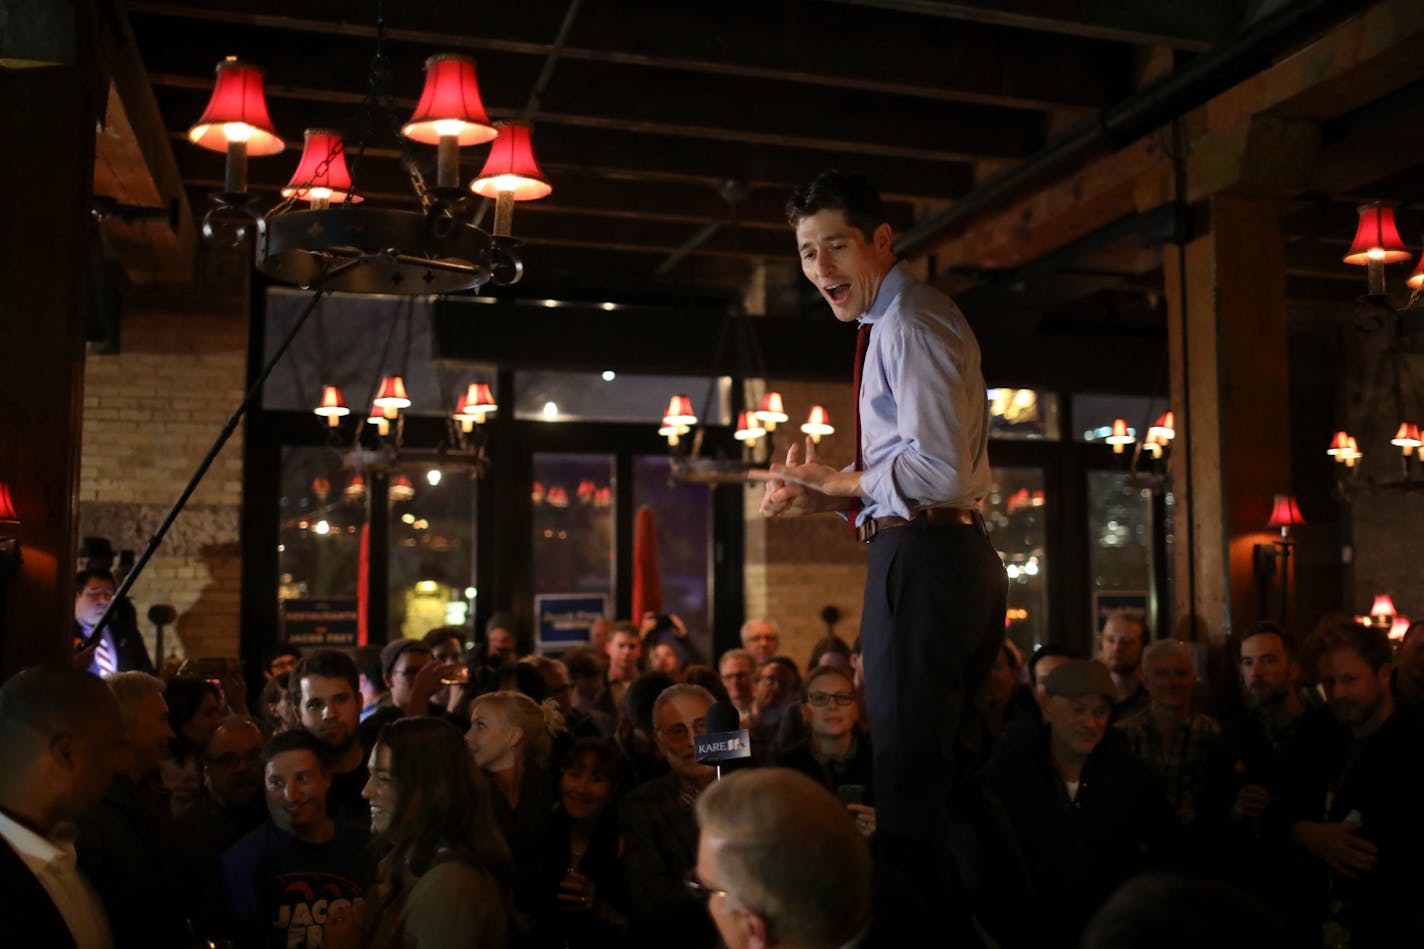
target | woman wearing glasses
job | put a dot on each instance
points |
(837, 752)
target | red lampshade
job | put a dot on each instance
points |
(401, 489)
(1399, 628)
(7, 504)
(392, 394)
(1285, 513)
(1376, 238)
(1339, 446)
(1120, 435)
(1407, 437)
(355, 488)
(450, 104)
(771, 409)
(321, 487)
(1383, 606)
(322, 171)
(1165, 428)
(679, 412)
(237, 112)
(511, 167)
(474, 405)
(818, 423)
(748, 428)
(332, 405)
(1416, 279)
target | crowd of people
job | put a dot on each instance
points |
(423, 794)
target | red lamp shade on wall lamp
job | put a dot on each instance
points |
(9, 533)
(1285, 514)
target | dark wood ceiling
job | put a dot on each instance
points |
(644, 109)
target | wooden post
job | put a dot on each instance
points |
(1227, 335)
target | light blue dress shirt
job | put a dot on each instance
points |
(924, 409)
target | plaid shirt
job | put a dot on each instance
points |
(1179, 762)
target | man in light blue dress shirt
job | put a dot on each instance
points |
(933, 617)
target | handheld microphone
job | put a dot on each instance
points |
(726, 741)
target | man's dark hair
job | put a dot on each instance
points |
(849, 193)
(1171, 911)
(790, 665)
(1370, 643)
(277, 651)
(440, 634)
(521, 677)
(82, 578)
(584, 663)
(184, 696)
(640, 696)
(1263, 628)
(298, 739)
(368, 664)
(328, 664)
(1043, 652)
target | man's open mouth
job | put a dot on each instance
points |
(837, 294)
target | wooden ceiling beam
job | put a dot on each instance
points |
(915, 56)
(1192, 27)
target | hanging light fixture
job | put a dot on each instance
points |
(401, 488)
(332, 406)
(771, 412)
(449, 114)
(748, 428)
(378, 417)
(236, 123)
(1121, 436)
(818, 424)
(434, 248)
(510, 174)
(355, 489)
(1165, 428)
(1376, 243)
(391, 397)
(321, 177)
(1407, 438)
(1416, 279)
(1382, 611)
(678, 419)
(474, 406)
(1153, 443)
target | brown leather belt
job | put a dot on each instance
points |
(871, 526)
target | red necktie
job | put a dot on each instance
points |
(862, 346)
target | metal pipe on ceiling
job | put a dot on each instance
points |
(1183, 89)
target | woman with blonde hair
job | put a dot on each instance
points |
(509, 739)
(446, 878)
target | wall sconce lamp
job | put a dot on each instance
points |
(9, 535)
(1285, 514)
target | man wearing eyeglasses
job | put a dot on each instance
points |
(233, 805)
(660, 832)
(755, 826)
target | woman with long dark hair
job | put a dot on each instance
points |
(447, 877)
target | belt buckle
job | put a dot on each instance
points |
(866, 530)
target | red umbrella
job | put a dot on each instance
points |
(647, 581)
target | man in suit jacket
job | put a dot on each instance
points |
(120, 648)
(59, 729)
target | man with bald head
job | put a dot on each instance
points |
(757, 898)
(59, 728)
(232, 804)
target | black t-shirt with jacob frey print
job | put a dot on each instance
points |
(278, 889)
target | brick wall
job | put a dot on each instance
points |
(151, 412)
(797, 567)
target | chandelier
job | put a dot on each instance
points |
(1394, 409)
(323, 234)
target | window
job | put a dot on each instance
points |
(1014, 511)
(573, 501)
(613, 397)
(1023, 414)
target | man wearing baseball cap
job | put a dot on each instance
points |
(1087, 814)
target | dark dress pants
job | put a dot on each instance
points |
(932, 623)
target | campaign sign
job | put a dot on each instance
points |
(320, 622)
(722, 746)
(562, 620)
